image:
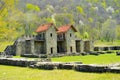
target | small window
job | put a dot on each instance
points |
(50, 34)
(40, 35)
(71, 49)
(51, 50)
(43, 34)
(70, 35)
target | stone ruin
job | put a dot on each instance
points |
(55, 42)
(48, 65)
(50, 42)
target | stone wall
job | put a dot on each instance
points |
(20, 47)
(70, 41)
(39, 47)
(10, 50)
(88, 45)
(106, 48)
(48, 44)
(51, 41)
(77, 66)
(16, 62)
(79, 46)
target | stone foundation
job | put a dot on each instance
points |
(77, 66)
(106, 48)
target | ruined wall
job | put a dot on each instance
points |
(28, 47)
(10, 50)
(61, 47)
(106, 48)
(39, 47)
(79, 46)
(32, 47)
(51, 41)
(25, 45)
(20, 47)
(77, 66)
(70, 41)
(88, 45)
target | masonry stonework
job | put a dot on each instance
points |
(70, 41)
(50, 40)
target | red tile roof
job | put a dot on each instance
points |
(44, 27)
(61, 29)
(65, 28)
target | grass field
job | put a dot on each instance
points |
(19, 73)
(90, 59)
(105, 43)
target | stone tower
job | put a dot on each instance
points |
(69, 41)
(50, 37)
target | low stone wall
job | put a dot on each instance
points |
(77, 66)
(106, 48)
(91, 68)
(55, 65)
(16, 62)
(51, 55)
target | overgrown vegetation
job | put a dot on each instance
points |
(94, 19)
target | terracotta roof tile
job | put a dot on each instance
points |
(65, 28)
(43, 27)
(61, 29)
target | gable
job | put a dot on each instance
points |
(66, 28)
(45, 27)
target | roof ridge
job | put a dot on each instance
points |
(43, 27)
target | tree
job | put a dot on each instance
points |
(62, 19)
(7, 14)
(30, 17)
(109, 30)
(86, 35)
(80, 10)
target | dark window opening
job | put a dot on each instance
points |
(50, 34)
(70, 35)
(43, 34)
(70, 49)
(51, 50)
(40, 35)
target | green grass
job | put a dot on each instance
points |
(19, 73)
(105, 43)
(90, 59)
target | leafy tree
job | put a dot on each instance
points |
(86, 35)
(62, 19)
(30, 17)
(109, 30)
(32, 7)
(80, 9)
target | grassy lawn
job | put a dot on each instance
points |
(90, 59)
(105, 43)
(19, 73)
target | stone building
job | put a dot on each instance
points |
(50, 40)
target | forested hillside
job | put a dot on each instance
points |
(94, 19)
